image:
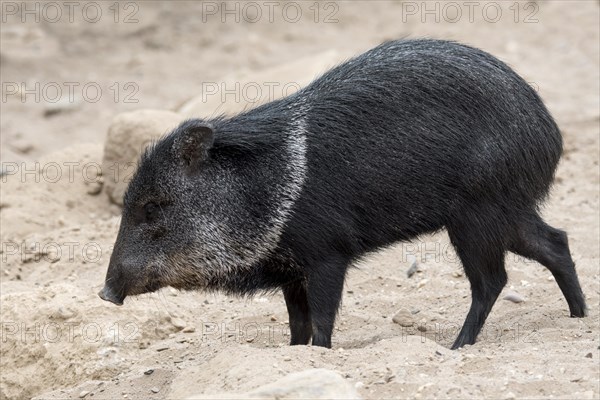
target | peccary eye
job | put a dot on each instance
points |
(151, 210)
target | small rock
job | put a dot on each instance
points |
(422, 283)
(589, 355)
(189, 329)
(178, 323)
(457, 274)
(514, 297)
(64, 313)
(149, 372)
(423, 387)
(287, 358)
(21, 146)
(93, 188)
(309, 384)
(60, 106)
(154, 390)
(403, 318)
(273, 318)
(127, 137)
(83, 393)
(510, 396)
(413, 269)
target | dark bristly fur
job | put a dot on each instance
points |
(408, 138)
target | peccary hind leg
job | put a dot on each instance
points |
(299, 313)
(482, 257)
(539, 241)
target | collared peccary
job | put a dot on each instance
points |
(408, 138)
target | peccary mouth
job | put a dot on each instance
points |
(108, 294)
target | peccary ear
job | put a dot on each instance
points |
(193, 143)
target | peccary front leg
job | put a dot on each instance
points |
(299, 313)
(324, 291)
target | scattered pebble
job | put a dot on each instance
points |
(423, 387)
(60, 106)
(273, 318)
(189, 329)
(403, 318)
(22, 146)
(589, 355)
(154, 390)
(514, 297)
(178, 323)
(93, 188)
(413, 269)
(287, 358)
(64, 313)
(149, 372)
(83, 393)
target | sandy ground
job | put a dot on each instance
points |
(60, 341)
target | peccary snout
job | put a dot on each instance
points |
(109, 294)
(114, 289)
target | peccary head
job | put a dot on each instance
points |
(198, 209)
